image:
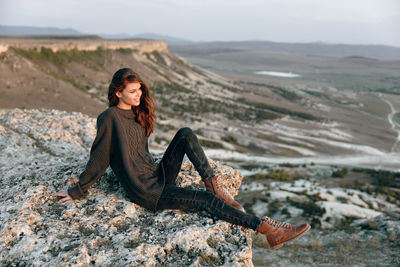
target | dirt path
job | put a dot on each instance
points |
(394, 125)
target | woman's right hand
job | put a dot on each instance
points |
(63, 194)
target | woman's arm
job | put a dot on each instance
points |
(99, 158)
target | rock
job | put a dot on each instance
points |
(41, 150)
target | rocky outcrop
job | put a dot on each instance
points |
(42, 151)
(143, 46)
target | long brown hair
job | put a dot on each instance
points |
(145, 114)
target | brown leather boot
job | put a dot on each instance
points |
(277, 233)
(214, 186)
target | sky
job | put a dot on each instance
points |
(330, 21)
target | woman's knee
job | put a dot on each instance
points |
(186, 132)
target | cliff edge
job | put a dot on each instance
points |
(90, 44)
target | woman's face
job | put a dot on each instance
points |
(130, 96)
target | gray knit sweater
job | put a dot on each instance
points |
(121, 143)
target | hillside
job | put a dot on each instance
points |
(228, 114)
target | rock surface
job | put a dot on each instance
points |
(43, 151)
(350, 226)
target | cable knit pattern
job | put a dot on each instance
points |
(121, 143)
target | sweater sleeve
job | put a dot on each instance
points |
(98, 161)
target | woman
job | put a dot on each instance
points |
(121, 142)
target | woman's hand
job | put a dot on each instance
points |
(63, 194)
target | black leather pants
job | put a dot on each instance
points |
(175, 197)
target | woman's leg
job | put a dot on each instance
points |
(174, 197)
(184, 142)
(277, 233)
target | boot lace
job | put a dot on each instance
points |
(277, 224)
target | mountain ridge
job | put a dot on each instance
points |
(378, 51)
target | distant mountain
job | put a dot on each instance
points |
(152, 36)
(116, 36)
(170, 40)
(381, 52)
(31, 31)
(45, 31)
(186, 47)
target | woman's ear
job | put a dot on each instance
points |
(118, 94)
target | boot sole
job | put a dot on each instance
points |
(293, 238)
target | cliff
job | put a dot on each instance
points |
(89, 44)
(41, 150)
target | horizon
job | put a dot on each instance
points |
(372, 22)
(185, 39)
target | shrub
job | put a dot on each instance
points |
(310, 209)
(291, 96)
(126, 51)
(229, 139)
(210, 144)
(289, 165)
(277, 175)
(344, 224)
(165, 127)
(61, 57)
(340, 173)
(280, 110)
(281, 176)
(159, 58)
(385, 178)
(250, 166)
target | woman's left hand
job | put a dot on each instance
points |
(63, 194)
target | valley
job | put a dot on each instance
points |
(321, 147)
